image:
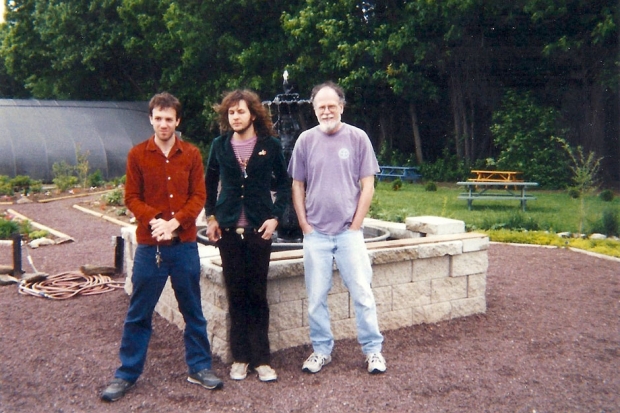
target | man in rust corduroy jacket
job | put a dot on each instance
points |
(165, 190)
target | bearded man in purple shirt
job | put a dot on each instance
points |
(333, 167)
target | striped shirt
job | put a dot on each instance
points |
(243, 150)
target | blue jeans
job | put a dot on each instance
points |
(182, 263)
(349, 251)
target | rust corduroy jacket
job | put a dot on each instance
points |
(166, 188)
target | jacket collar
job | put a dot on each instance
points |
(151, 146)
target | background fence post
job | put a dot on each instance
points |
(17, 255)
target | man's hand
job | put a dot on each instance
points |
(268, 228)
(214, 233)
(162, 230)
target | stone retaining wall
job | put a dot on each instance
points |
(434, 271)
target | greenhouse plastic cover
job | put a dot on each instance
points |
(35, 134)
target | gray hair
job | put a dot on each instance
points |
(339, 91)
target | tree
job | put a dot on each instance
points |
(528, 137)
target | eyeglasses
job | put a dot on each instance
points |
(323, 108)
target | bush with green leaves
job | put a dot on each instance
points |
(95, 180)
(117, 181)
(447, 168)
(430, 186)
(21, 184)
(573, 192)
(114, 197)
(397, 184)
(63, 176)
(388, 156)
(608, 224)
(526, 135)
(517, 221)
(41, 233)
(606, 195)
(5, 185)
(8, 228)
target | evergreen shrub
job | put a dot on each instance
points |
(606, 195)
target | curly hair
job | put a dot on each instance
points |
(262, 122)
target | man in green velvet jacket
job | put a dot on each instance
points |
(247, 164)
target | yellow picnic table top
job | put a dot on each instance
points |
(496, 176)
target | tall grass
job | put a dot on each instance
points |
(553, 211)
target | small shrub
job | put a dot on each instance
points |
(574, 193)
(397, 184)
(447, 168)
(8, 228)
(517, 222)
(114, 197)
(119, 180)
(430, 186)
(606, 195)
(63, 176)
(38, 234)
(64, 183)
(121, 212)
(95, 179)
(608, 224)
(82, 166)
(36, 186)
(6, 189)
(21, 184)
(24, 227)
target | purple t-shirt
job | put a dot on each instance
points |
(332, 166)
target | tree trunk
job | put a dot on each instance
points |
(457, 109)
(416, 134)
(383, 135)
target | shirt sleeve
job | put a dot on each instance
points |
(134, 188)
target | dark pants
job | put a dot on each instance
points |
(245, 264)
(182, 263)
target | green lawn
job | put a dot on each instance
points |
(552, 211)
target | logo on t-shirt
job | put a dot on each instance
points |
(343, 153)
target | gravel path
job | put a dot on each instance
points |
(549, 342)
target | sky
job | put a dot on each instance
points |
(1, 11)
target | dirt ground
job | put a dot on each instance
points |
(549, 342)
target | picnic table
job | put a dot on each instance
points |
(496, 176)
(498, 190)
(405, 173)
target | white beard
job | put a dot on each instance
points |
(329, 126)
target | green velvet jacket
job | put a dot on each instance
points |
(266, 172)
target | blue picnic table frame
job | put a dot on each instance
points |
(405, 173)
(513, 191)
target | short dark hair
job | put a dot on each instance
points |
(339, 91)
(262, 119)
(165, 100)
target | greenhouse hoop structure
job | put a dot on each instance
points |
(35, 134)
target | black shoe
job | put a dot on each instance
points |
(116, 390)
(206, 378)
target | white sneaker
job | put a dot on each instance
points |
(376, 363)
(239, 371)
(266, 373)
(315, 362)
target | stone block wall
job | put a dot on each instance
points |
(433, 272)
